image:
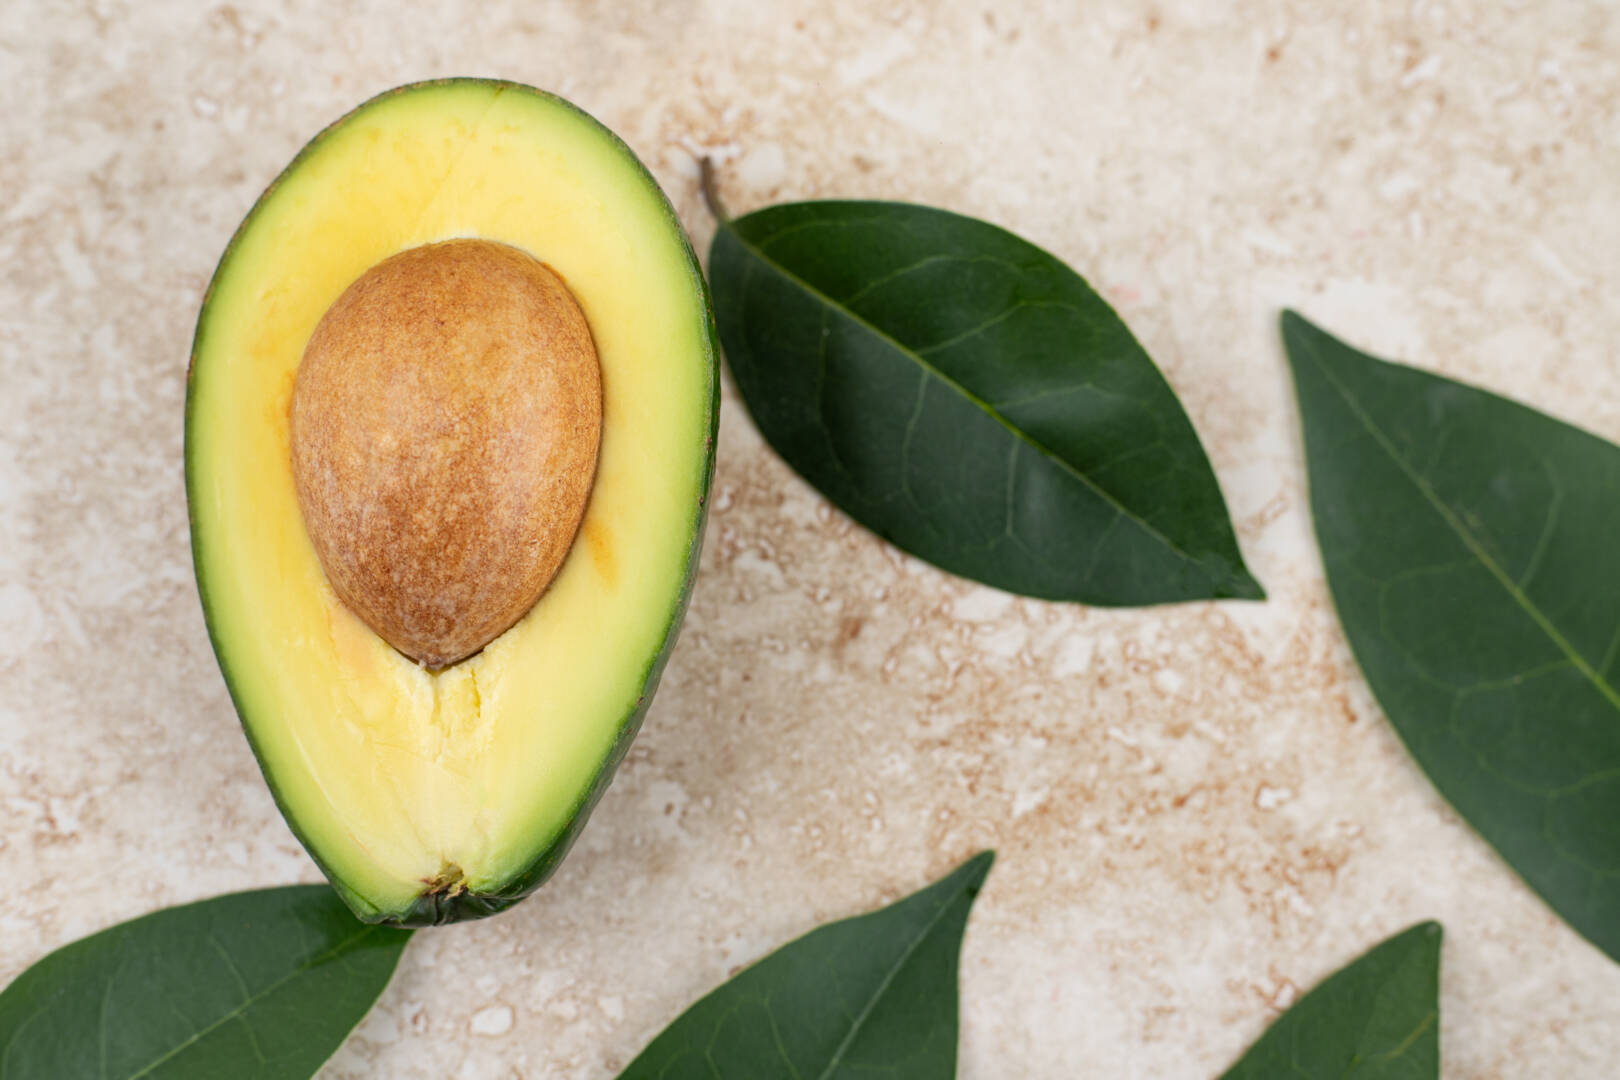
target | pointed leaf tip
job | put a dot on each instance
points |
(1376, 1018)
(1245, 586)
(871, 995)
(1297, 331)
(975, 870)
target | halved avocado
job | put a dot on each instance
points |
(430, 795)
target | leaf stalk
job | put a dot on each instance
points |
(711, 191)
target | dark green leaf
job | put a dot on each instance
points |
(968, 397)
(1470, 543)
(872, 997)
(255, 986)
(1377, 1019)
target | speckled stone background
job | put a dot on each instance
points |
(1199, 810)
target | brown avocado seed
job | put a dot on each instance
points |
(445, 424)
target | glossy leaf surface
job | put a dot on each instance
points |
(968, 397)
(1471, 546)
(872, 997)
(1376, 1019)
(253, 986)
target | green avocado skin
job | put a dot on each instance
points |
(439, 909)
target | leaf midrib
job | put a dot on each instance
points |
(1412, 952)
(330, 954)
(883, 986)
(1120, 508)
(1461, 530)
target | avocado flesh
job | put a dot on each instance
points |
(431, 796)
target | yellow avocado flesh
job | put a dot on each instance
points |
(401, 780)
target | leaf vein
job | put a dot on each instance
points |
(1063, 465)
(333, 953)
(930, 260)
(1465, 535)
(883, 986)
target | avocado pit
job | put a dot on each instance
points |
(445, 423)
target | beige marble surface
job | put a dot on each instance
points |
(1199, 810)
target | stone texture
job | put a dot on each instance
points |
(1199, 809)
